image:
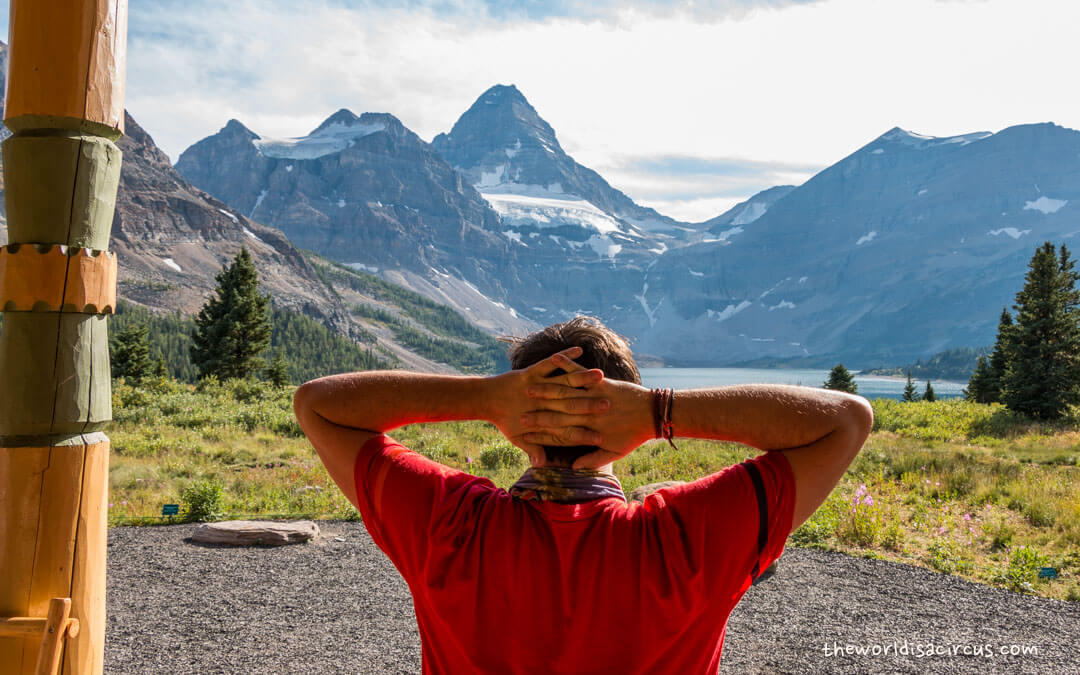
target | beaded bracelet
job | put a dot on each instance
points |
(662, 402)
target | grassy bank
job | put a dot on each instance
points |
(958, 487)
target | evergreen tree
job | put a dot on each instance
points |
(1042, 371)
(233, 328)
(841, 380)
(929, 395)
(129, 352)
(999, 358)
(910, 395)
(278, 371)
(983, 385)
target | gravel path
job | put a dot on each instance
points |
(338, 606)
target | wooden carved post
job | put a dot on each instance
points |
(65, 101)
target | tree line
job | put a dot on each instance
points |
(1034, 367)
(231, 337)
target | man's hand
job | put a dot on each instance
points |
(624, 425)
(571, 415)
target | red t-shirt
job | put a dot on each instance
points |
(511, 586)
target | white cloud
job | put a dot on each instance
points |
(777, 83)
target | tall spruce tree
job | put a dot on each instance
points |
(129, 352)
(278, 371)
(910, 393)
(1042, 371)
(929, 396)
(841, 380)
(233, 328)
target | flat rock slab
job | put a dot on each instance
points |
(639, 493)
(255, 533)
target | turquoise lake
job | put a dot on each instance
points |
(869, 386)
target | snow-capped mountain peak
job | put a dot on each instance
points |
(896, 135)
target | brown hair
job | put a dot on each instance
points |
(601, 348)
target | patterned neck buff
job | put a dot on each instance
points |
(566, 486)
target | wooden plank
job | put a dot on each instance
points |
(66, 60)
(86, 652)
(22, 627)
(39, 505)
(39, 169)
(52, 642)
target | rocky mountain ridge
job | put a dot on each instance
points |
(907, 247)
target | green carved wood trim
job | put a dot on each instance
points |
(54, 369)
(61, 189)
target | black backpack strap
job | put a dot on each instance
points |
(763, 515)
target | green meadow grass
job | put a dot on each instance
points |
(961, 488)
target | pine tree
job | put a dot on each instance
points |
(999, 358)
(1042, 371)
(160, 369)
(841, 380)
(278, 371)
(929, 396)
(233, 328)
(910, 395)
(130, 352)
(983, 385)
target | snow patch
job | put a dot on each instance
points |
(866, 238)
(539, 309)
(513, 236)
(230, 215)
(510, 152)
(365, 268)
(725, 235)
(603, 245)
(695, 273)
(879, 151)
(492, 178)
(251, 234)
(1010, 231)
(258, 200)
(922, 192)
(518, 209)
(729, 311)
(650, 312)
(289, 168)
(171, 263)
(783, 304)
(334, 138)
(749, 214)
(802, 280)
(1045, 205)
(341, 203)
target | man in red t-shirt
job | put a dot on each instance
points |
(560, 574)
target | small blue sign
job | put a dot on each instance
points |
(1048, 573)
(170, 509)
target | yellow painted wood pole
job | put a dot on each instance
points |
(65, 102)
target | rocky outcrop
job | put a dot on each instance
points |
(172, 239)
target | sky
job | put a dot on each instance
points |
(688, 106)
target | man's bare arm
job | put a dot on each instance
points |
(818, 430)
(342, 412)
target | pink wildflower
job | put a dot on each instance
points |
(868, 500)
(110, 505)
(468, 459)
(861, 491)
(967, 516)
(941, 530)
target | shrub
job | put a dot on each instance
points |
(1022, 569)
(501, 455)
(202, 501)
